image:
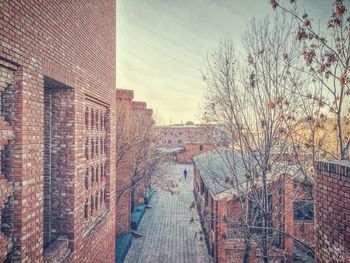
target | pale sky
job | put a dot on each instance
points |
(162, 44)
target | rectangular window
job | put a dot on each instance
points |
(201, 147)
(303, 210)
(96, 162)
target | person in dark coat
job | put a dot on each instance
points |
(185, 173)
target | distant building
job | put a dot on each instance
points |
(142, 116)
(130, 116)
(123, 180)
(174, 136)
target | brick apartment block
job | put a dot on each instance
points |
(177, 135)
(218, 203)
(58, 130)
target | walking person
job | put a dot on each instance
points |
(185, 173)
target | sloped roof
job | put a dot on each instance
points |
(219, 167)
(224, 172)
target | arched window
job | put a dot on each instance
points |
(97, 146)
(101, 121)
(92, 119)
(92, 148)
(92, 176)
(92, 204)
(87, 179)
(86, 209)
(105, 145)
(97, 174)
(96, 201)
(104, 120)
(101, 172)
(87, 149)
(86, 118)
(97, 121)
(101, 143)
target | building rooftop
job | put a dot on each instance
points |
(225, 172)
(217, 169)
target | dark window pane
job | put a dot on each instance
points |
(303, 210)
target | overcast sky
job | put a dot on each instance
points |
(161, 46)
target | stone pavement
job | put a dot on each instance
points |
(168, 235)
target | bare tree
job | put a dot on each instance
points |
(137, 152)
(259, 105)
(326, 52)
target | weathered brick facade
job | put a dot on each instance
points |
(332, 204)
(142, 118)
(7, 81)
(124, 122)
(57, 61)
(213, 211)
(149, 121)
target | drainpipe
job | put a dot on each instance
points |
(216, 232)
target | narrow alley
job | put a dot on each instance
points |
(168, 235)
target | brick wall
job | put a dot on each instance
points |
(141, 118)
(7, 81)
(221, 229)
(332, 206)
(124, 115)
(213, 214)
(68, 48)
(149, 121)
(58, 163)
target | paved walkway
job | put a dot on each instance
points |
(168, 235)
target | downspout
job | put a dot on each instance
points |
(216, 232)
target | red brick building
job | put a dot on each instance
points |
(332, 201)
(134, 124)
(192, 149)
(123, 181)
(220, 207)
(58, 167)
(139, 115)
(174, 136)
(132, 117)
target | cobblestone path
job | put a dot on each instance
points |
(167, 233)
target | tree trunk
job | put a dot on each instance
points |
(248, 248)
